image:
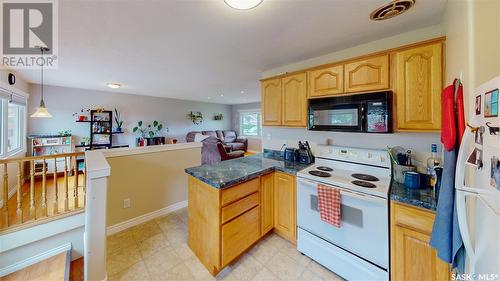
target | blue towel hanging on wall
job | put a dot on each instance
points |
(446, 237)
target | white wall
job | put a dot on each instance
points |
(419, 143)
(254, 143)
(20, 83)
(62, 102)
(12, 168)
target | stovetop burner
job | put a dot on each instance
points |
(364, 184)
(320, 174)
(364, 177)
(324, 168)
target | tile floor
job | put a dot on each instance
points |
(157, 250)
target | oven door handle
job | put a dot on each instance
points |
(344, 192)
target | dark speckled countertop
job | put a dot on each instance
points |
(232, 172)
(423, 197)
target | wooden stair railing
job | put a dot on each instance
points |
(47, 199)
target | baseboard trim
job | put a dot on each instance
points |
(144, 218)
(35, 259)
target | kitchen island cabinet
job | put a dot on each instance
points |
(233, 204)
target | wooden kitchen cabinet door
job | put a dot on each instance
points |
(412, 258)
(285, 206)
(271, 102)
(326, 81)
(295, 100)
(239, 234)
(266, 203)
(419, 80)
(367, 74)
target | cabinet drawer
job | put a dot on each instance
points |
(235, 193)
(237, 208)
(239, 234)
(412, 217)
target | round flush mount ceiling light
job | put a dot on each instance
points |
(243, 4)
(114, 85)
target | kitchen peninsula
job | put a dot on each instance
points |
(232, 204)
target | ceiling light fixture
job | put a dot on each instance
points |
(42, 111)
(242, 92)
(243, 4)
(221, 95)
(114, 85)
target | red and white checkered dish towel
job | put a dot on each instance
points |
(329, 204)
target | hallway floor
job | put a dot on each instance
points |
(158, 250)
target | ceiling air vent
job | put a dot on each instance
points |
(392, 9)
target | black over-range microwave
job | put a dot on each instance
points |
(364, 113)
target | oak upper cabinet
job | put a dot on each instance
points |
(327, 81)
(418, 84)
(294, 100)
(284, 206)
(368, 74)
(412, 258)
(266, 203)
(271, 102)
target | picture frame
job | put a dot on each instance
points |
(491, 103)
(478, 105)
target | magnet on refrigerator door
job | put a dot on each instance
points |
(495, 173)
(478, 105)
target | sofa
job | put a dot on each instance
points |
(213, 150)
(228, 137)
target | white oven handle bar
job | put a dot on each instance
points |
(344, 192)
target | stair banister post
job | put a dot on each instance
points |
(97, 173)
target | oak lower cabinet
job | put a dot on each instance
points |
(367, 74)
(267, 203)
(285, 223)
(418, 83)
(271, 102)
(412, 258)
(223, 224)
(324, 82)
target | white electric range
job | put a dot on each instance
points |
(359, 249)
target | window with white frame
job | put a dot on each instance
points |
(250, 123)
(12, 123)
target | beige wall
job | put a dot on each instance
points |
(152, 181)
(472, 29)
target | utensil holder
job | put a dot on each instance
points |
(400, 170)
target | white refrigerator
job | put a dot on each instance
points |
(477, 183)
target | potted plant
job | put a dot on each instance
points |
(85, 141)
(118, 121)
(196, 117)
(218, 116)
(153, 134)
(141, 132)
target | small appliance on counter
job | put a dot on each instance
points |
(291, 154)
(305, 154)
